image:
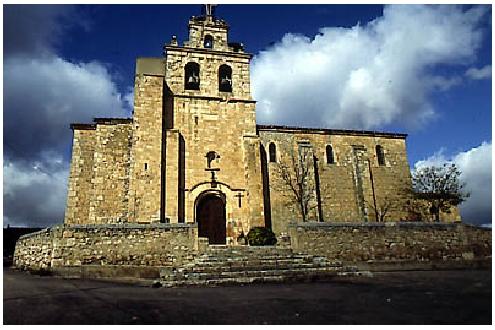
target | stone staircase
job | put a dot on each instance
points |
(222, 265)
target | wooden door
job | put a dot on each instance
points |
(210, 215)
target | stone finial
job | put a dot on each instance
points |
(174, 42)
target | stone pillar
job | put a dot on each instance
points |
(307, 164)
(254, 180)
(364, 191)
(171, 172)
(81, 174)
(145, 185)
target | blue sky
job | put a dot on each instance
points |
(117, 34)
(440, 96)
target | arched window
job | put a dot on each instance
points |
(191, 76)
(380, 155)
(330, 159)
(208, 41)
(272, 150)
(225, 78)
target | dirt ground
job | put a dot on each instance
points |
(429, 297)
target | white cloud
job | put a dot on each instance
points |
(442, 83)
(478, 74)
(43, 94)
(365, 76)
(33, 196)
(476, 167)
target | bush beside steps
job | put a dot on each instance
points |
(259, 236)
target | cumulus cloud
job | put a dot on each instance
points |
(43, 94)
(34, 195)
(479, 74)
(476, 167)
(368, 75)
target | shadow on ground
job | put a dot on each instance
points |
(430, 297)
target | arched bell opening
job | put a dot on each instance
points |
(225, 78)
(208, 42)
(191, 76)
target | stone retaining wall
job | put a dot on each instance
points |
(117, 244)
(150, 245)
(392, 242)
(34, 250)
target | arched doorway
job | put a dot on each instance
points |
(210, 216)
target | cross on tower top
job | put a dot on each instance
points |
(210, 10)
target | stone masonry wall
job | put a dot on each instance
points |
(369, 242)
(198, 29)
(119, 244)
(34, 250)
(80, 189)
(210, 120)
(146, 155)
(223, 128)
(254, 182)
(111, 171)
(208, 75)
(172, 170)
(346, 187)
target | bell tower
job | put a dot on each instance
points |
(208, 109)
(207, 64)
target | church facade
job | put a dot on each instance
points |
(192, 153)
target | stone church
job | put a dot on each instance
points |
(192, 153)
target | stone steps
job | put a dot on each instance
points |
(257, 273)
(235, 268)
(224, 253)
(246, 257)
(248, 262)
(262, 263)
(262, 268)
(221, 265)
(236, 279)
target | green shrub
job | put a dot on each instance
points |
(261, 236)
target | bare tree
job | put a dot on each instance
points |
(440, 187)
(297, 175)
(393, 202)
(384, 207)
